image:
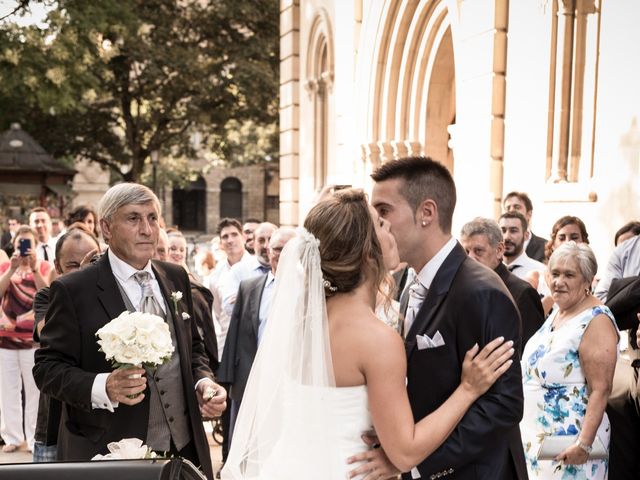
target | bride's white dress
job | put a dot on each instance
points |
(296, 455)
(294, 423)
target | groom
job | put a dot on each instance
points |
(454, 303)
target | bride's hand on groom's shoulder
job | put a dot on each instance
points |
(481, 368)
(373, 463)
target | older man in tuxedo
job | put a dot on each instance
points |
(482, 240)
(164, 407)
(248, 321)
(456, 302)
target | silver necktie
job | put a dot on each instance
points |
(148, 303)
(417, 294)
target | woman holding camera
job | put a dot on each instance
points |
(20, 278)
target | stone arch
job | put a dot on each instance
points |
(412, 90)
(189, 206)
(319, 74)
(231, 198)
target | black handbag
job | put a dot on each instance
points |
(164, 469)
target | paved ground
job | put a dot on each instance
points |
(24, 456)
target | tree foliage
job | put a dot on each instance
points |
(114, 80)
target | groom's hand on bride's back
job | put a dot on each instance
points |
(373, 463)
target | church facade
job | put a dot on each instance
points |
(539, 96)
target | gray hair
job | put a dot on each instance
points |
(126, 194)
(286, 232)
(581, 253)
(483, 226)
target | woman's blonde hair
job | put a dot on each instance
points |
(349, 247)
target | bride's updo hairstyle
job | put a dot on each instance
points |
(349, 247)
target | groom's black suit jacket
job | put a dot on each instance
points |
(68, 360)
(467, 303)
(241, 345)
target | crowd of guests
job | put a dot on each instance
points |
(570, 341)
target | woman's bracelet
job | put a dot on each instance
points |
(584, 446)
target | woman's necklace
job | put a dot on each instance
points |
(563, 316)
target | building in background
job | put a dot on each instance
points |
(540, 96)
(241, 192)
(30, 177)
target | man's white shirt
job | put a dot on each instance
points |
(230, 281)
(523, 265)
(51, 249)
(265, 304)
(217, 286)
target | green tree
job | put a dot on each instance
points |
(114, 80)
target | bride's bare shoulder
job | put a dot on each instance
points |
(360, 327)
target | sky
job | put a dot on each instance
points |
(36, 15)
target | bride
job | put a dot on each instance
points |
(327, 370)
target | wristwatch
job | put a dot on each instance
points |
(584, 446)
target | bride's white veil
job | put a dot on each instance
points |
(280, 407)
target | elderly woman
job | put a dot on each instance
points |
(567, 371)
(20, 279)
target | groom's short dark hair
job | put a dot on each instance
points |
(423, 178)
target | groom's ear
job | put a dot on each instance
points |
(427, 213)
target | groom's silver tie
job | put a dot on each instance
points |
(148, 303)
(417, 294)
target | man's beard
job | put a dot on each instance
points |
(517, 249)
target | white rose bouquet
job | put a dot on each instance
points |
(136, 339)
(127, 449)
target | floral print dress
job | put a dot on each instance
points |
(556, 395)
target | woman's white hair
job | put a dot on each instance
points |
(581, 253)
(126, 194)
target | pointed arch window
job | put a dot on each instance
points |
(319, 84)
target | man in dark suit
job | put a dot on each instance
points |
(247, 323)
(521, 203)
(164, 407)
(6, 241)
(482, 240)
(456, 303)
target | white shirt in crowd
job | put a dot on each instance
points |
(217, 286)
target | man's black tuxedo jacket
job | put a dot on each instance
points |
(467, 303)
(527, 300)
(203, 308)
(241, 344)
(68, 360)
(535, 247)
(6, 243)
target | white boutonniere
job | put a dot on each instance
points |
(176, 297)
(185, 316)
